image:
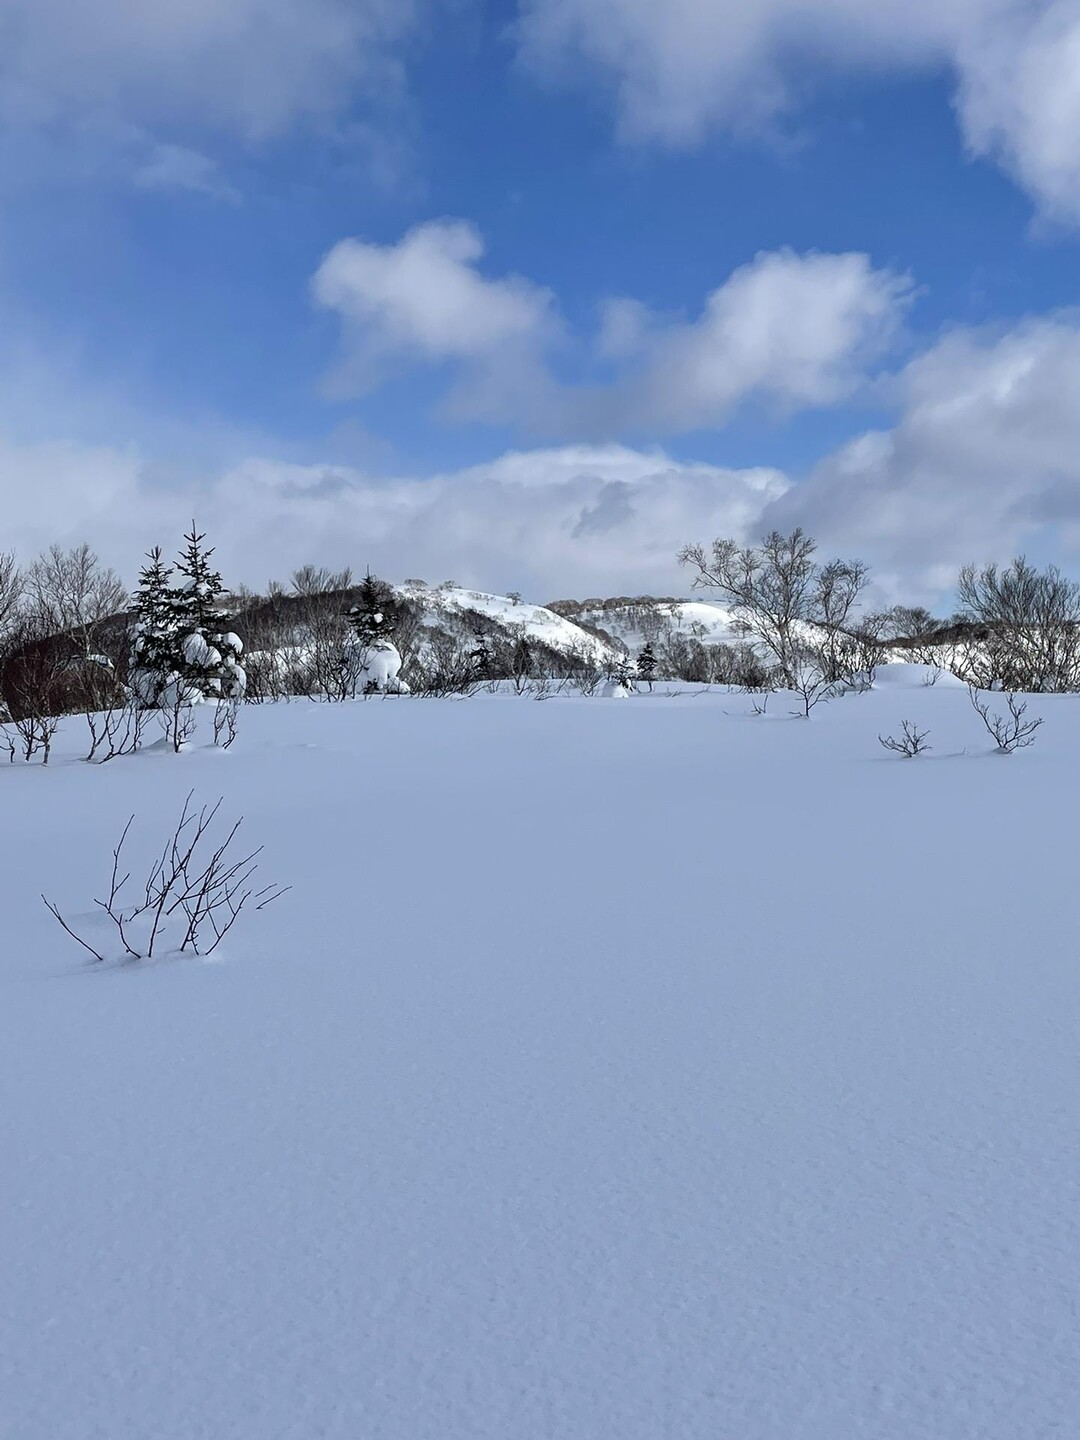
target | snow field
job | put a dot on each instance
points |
(654, 1071)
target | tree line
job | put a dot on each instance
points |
(72, 640)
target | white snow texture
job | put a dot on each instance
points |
(657, 1071)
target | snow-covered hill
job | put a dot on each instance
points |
(453, 605)
(621, 1071)
(636, 621)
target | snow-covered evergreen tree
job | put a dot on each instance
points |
(370, 615)
(481, 657)
(646, 664)
(621, 682)
(370, 661)
(209, 655)
(154, 643)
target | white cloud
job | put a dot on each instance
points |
(682, 68)
(1019, 100)
(424, 301)
(983, 462)
(797, 330)
(250, 68)
(793, 330)
(548, 522)
(175, 167)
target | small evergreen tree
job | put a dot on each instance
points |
(371, 615)
(481, 657)
(646, 664)
(155, 654)
(621, 674)
(208, 656)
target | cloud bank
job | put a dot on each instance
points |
(983, 461)
(581, 518)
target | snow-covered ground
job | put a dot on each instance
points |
(535, 621)
(703, 620)
(650, 1071)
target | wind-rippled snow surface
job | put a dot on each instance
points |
(651, 1071)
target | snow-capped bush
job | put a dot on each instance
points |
(372, 668)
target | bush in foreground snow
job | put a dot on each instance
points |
(191, 899)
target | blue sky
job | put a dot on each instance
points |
(423, 285)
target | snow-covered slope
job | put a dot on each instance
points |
(612, 1072)
(633, 622)
(538, 623)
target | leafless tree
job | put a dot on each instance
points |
(517, 659)
(739, 665)
(71, 591)
(778, 591)
(11, 592)
(1009, 732)
(192, 897)
(443, 665)
(909, 743)
(242, 598)
(268, 642)
(322, 632)
(318, 580)
(683, 658)
(37, 679)
(1031, 623)
(907, 623)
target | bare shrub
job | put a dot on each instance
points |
(226, 717)
(909, 743)
(192, 897)
(811, 679)
(116, 730)
(321, 672)
(443, 665)
(36, 732)
(517, 659)
(176, 713)
(36, 676)
(1009, 732)
(739, 665)
(588, 679)
(686, 658)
